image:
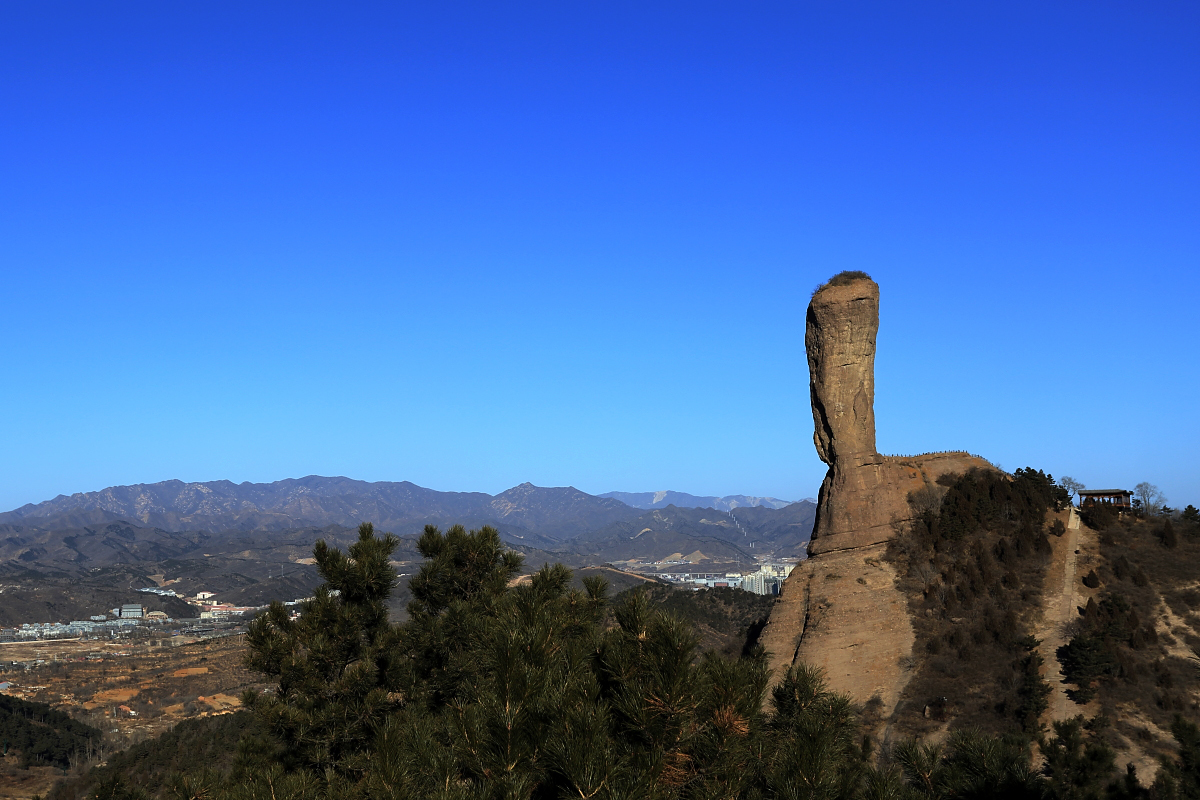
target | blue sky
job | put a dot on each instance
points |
(474, 245)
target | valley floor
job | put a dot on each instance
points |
(131, 693)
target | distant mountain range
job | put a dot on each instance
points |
(157, 522)
(648, 500)
(555, 513)
(252, 542)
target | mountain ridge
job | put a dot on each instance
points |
(662, 499)
(735, 535)
(554, 513)
(541, 516)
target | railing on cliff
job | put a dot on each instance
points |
(904, 458)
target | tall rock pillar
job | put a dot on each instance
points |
(864, 495)
(840, 610)
(839, 338)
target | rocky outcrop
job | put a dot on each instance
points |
(864, 494)
(840, 609)
(839, 337)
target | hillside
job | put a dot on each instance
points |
(535, 683)
(1130, 651)
(725, 621)
(717, 535)
(652, 500)
(43, 735)
(784, 530)
(149, 523)
(107, 543)
(56, 575)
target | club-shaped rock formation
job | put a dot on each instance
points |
(840, 609)
(864, 494)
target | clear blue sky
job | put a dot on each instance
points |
(572, 243)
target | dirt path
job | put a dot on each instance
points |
(1077, 552)
(1064, 594)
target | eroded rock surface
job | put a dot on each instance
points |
(841, 612)
(864, 494)
(839, 337)
(840, 609)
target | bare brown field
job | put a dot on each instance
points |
(132, 692)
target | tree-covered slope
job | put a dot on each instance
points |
(495, 688)
(42, 735)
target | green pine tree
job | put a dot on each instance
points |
(339, 670)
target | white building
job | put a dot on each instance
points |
(765, 581)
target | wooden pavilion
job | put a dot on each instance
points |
(1119, 499)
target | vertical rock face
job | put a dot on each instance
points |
(839, 337)
(864, 495)
(840, 609)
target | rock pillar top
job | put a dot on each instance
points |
(843, 320)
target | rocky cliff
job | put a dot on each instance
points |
(840, 609)
(864, 494)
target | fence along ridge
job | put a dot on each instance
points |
(940, 453)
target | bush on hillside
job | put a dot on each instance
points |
(1099, 516)
(1099, 651)
(194, 745)
(1167, 535)
(521, 690)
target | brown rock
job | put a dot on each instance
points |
(840, 610)
(864, 494)
(839, 337)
